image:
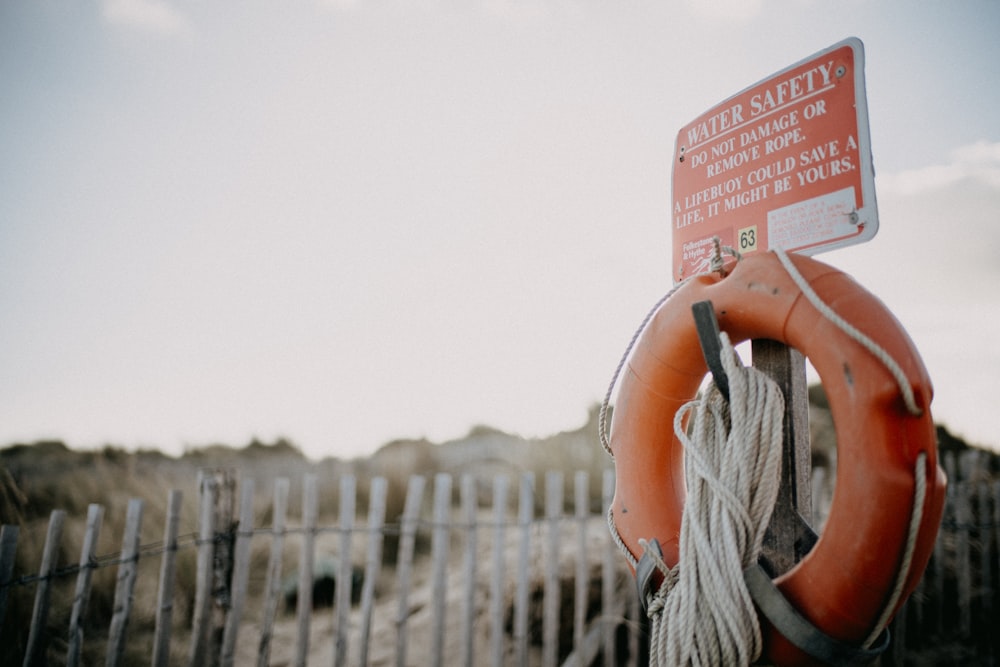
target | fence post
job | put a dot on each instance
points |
(469, 506)
(223, 542)
(128, 570)
(272, 588)
(608, 577)
(373, 565)
(439, 553)
(35, 652)
(995, 524)
(499, 566)
(165, 593)
(8, 549)
(241, 572)
(307, 562)
(787, 367)
(963, 574)
(937, 562)
(581, 502)
(404, 566)
(525, 513)
(345, 566)
(552, 602)
(95, 514)
(986, 531)
(215, 564)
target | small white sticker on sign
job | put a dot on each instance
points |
(818, 220)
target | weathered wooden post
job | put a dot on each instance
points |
(240, 569)
(95, 515)
(8, 549)
(128, 571)
(215, 563)
(404, 567)
(789, 538)
(307, 559)
(165, 593)
(35, 652)
(272, 587)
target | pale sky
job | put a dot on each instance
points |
(351, 221)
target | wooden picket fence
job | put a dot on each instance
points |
(527, 589)
(457, 537)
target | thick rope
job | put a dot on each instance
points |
(702, 614)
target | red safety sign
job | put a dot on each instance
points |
(785, 163)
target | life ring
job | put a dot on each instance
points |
(844, 583)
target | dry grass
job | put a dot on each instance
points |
(41, 477)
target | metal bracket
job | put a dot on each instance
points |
(799, 631)
(644, 572)
(707, 326)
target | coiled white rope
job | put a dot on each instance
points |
(702, 613)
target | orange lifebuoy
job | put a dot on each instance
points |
(845, 582)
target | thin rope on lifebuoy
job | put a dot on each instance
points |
(916, 516)
(829, 313)
(716, 266)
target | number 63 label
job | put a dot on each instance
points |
(747, 238)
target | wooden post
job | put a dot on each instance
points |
(240, 576)
(439, 554)
(307, 559)
(165, 594)
(345, 567)
(783, 544)
(963, 563)
(638, 641)
(995, 639)
(608, 602)
(404, 563)
(525, 513)
(937, 563)
(986, 530)
(469, 506)
(581, 501)
(8, 550)
(552, 601)
(498, 567)
(35, 652)
(128, 570)
(208, 488)
(224, 542)
(215, 564)
(272, 591)
(95, 515)
(373, 562)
